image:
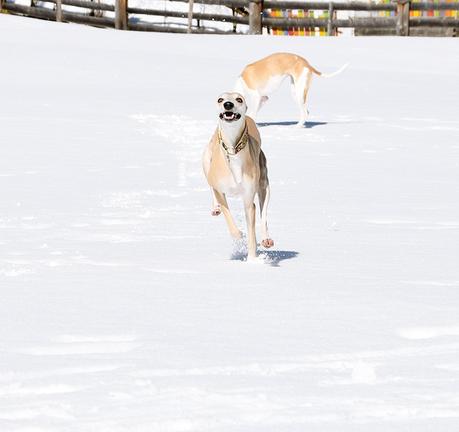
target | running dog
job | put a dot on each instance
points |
(260, 79)
(234, 164)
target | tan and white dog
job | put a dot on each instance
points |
(234, 164)
(260, 79)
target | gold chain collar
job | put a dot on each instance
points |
(243, 140)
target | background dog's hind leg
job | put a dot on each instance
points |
(300, 89)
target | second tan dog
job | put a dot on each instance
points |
(234, 164)
(261, 78)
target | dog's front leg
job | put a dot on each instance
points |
(254, 104)
(233, 229)
(216, 207)
(249, 207)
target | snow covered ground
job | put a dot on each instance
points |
(124, 304)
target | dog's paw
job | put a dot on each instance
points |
(267, 243)
(216, 211)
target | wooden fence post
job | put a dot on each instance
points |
(403, 18)
(330, 19)
(255, 11)
(59, 10)
(190, 15)
(121, 22)
(99, 13)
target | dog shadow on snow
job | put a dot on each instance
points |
(270, 257)
(307, 125)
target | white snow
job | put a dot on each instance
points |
(121, 306)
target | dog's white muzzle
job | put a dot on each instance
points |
(229, 116)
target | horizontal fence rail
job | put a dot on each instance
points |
(433, 22)
(322, 22)
(435, 6)
(351, 5)
(84, 4)
(256, 14)
(196, 15)
(40, 12)
(151, 27)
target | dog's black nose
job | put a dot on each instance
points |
(228, 105)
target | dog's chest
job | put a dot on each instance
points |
(233, 184)
(235, 164)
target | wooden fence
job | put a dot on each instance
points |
(253, 13)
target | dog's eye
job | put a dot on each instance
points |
(220, 100)
(239, 100)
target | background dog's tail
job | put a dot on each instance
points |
(329, 75)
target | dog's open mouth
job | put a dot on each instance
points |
(230, 116)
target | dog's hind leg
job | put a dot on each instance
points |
(249, 208)
(263, 198)
(300, 88)
(221, 200)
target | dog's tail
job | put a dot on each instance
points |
(329, 75)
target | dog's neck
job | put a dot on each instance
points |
(232, 132)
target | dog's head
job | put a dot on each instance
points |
(231, 107)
